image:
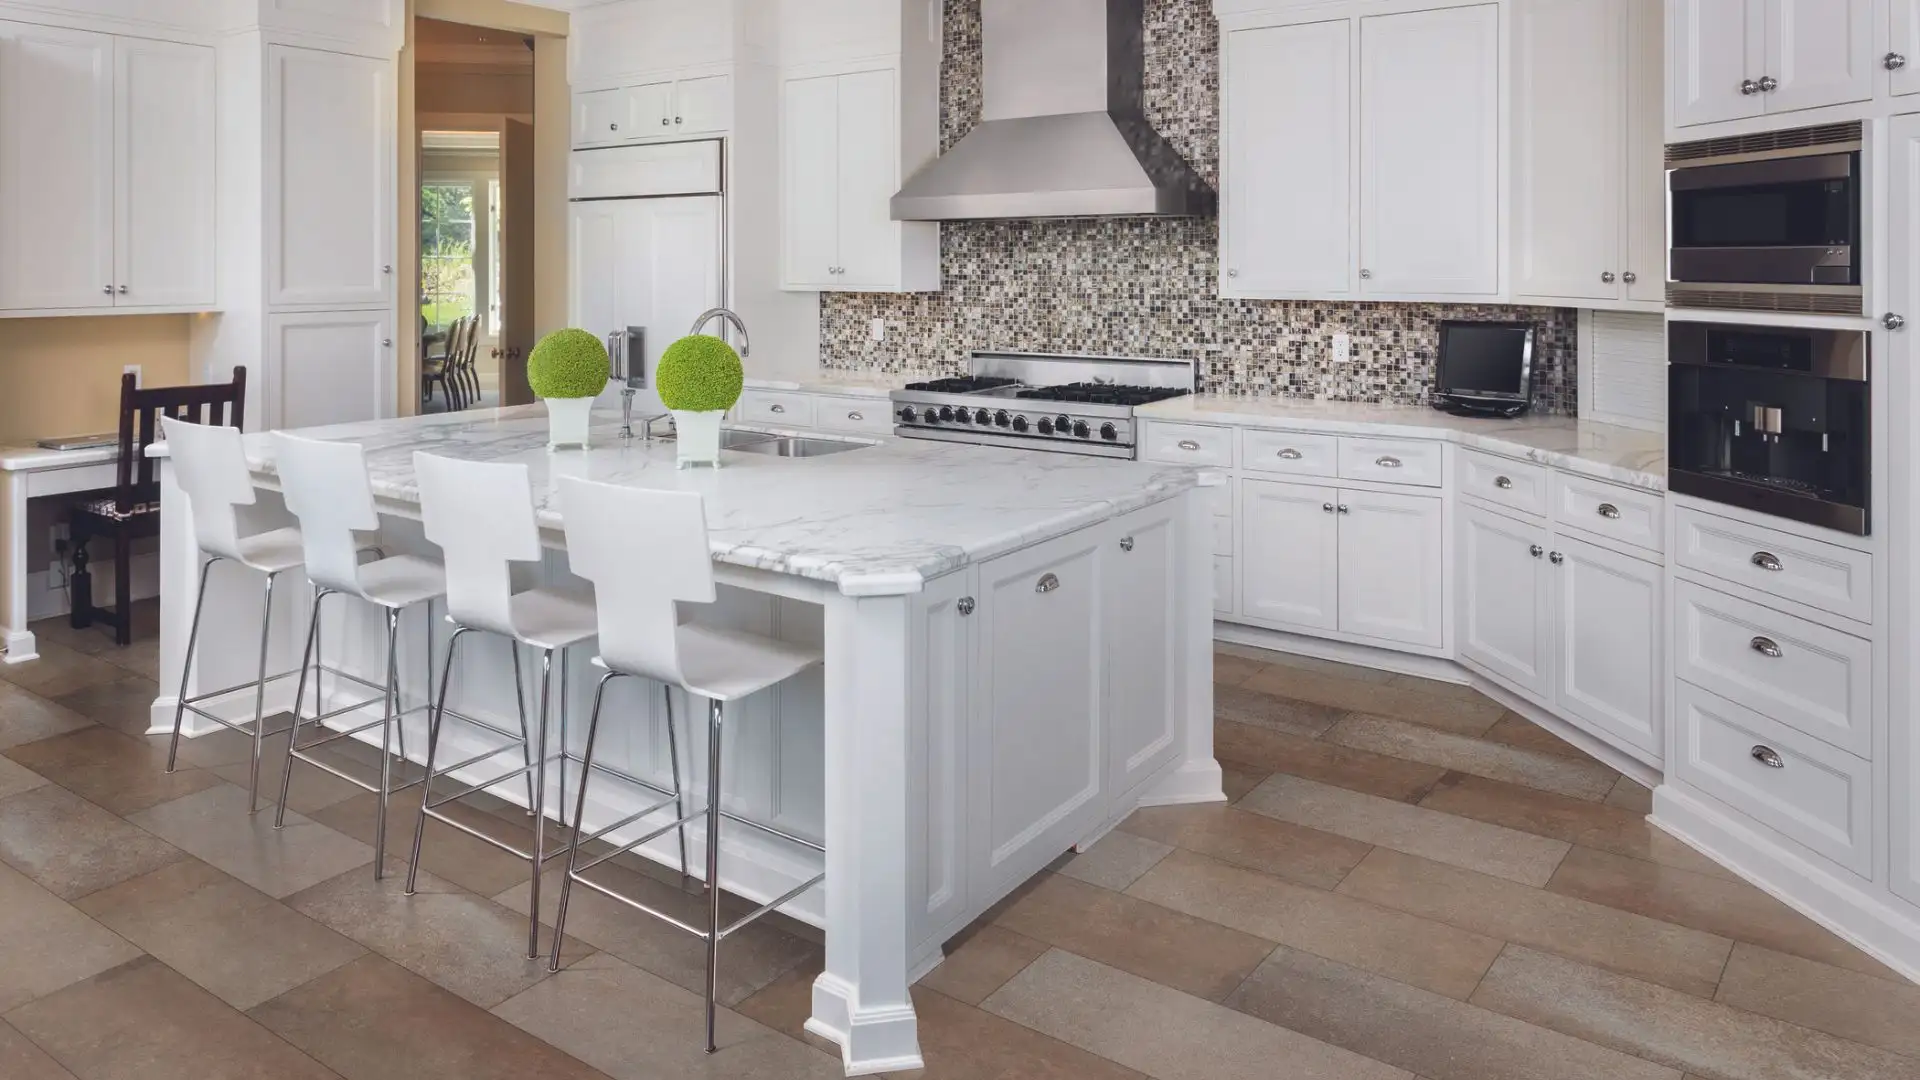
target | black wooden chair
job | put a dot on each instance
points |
(132, 512)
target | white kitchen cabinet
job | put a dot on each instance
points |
(1140, 579)
(703, 106)
(1735, 59)
(654, 110)
(1644, 272)
(1430, 153)
(1290, 554)
(327, 367)
(329, 179)
(166, 231)
(1818, 52)
(1611, 651)
(1903, 515)
(943, 662)
(599, 116)
(1717, 47)
(1504, 595)
(1392, 567)
(56, 168)
(1902, 58)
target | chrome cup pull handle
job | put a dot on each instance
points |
(856, 417)
(1387, 461)
(1766, 646)
(1504, 483)
(1768, 756)
(1289, 454)
(1126, 543)
(1189, 444)
(1047, 583)
(1767, 560)
(1609, 511)
(776, 407)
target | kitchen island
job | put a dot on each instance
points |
(1018, 653)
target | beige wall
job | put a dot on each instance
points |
(62, 376)
(436, 90)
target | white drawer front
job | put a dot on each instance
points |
(768, 407)
(1805, 675)
(1187, 444)
(1222, 535)
(1812, 793)
(1825, 576)
(1392, 461)
(1289, 452)
(1222, 585)
(1517, 485)
(865, 415)
(1629, 515)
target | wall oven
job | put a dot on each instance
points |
(1768, 222)
(1772, 419)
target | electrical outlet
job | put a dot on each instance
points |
(877, 329)
(1342, 348)
(133, 370)
(58, 536)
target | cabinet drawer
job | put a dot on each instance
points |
(1812, 678)
(1222, 585)
(866, 415)
(1392, 461)
(1516, 485)
(1811, 792)
(1187, 444)
(1626, 514)
(1222, 535)
(1825, 576)
(766, 407)
(1289, 452)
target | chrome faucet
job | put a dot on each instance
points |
(727, 314)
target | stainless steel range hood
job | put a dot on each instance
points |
(1062, 132)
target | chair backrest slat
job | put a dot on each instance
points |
(214, 404)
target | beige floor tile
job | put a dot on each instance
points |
(961, 1042)
(1297, 662)
(1516, 730)
(73, 847)
(1424, 953)
(1577, 821)
(145, 1021)
(1577, 778)
(981, 961)
(1630, 794)
(636, 1026)
(1252, 840)
(786, 1003)
(21, 1060)
(374, 1020)
(124, 702)
(119, 772)
(1647, 948)
(1164, 1033)
(47, 943)
(214, 825)
(1676, 1029)
(16, 778)
(27, 717)
(1437, 688)
(1419, 1030)
(1236, 781)
(142, 657)
(1716, 905)
(56, 630)
(60, 670)
(1264, 750)
(1115, 862)
(229, 937)
(1256, 709)
(1191, 955)
(445, 851)
(1471, 715)
(1475, 845)
(1826, 998)
(1231, 670)
(312, 789)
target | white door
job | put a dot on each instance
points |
(593, 248)
(650, 105)
(1430, 152)
(1290, 554)
(1609, 645)
(603, 116)
(1717, 49)
(1140, 570)
(1037, 765)
(1644, 272)
(1393, 567)
(869, 150)
(164, 185)
(1569, 90)
(1903, 378)
(1902, 60)
(703, 106)
(940, 714)
(1286, 194)
(329, 178)
(1819, 52)
(810, 182)
(669, 257)
(327, 367)
(56, 168)
(1503, 594)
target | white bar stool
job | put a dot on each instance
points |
(481, 515)
(325, 486)
(646, 553)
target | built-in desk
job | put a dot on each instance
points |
(29, 472)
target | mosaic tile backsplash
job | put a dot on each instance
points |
(1146, 286)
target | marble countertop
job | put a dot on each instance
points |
(39, 458)
(880, 520)
(1604, 451)
(852, 383)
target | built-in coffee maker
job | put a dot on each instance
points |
(1772, 419)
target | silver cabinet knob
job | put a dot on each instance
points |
(1768, 84)
(856, 417)
(1504, 483)
(1366, 275)
(677, 120)
(1556, 558)
(964, 605)
(1607, 276)
(1387, 461)
(1536, 551)
(1629, 277)
(387, 269)
(1766, 646)
(1609, 511)
(613, 127)
(1126, 543)
(666, 121)
(386, 343)
(1892, 321)
(1047, 583)
(108, 289)
(1289, 454)
(1748, 87)
(1766, 560)
(122, 290)
(1894, 61)
(776, 407)
(1342, 509)
(1768, 756)
(1326, 508)
(1189, 444)
(1233, 273)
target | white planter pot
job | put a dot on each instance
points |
(568, 420)
(697, 436)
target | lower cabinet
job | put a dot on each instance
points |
(326, 367)
(1504, 595)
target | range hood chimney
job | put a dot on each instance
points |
(1062, 131)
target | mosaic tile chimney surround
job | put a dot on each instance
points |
(1148, 287)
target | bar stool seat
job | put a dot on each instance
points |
(401, 581)
(273, 552)
(727, 665)
(548, 618)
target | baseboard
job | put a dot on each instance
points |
(47, 595)
(1439, 668)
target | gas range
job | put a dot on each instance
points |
(1040, 401)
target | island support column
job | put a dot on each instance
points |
(861, 1000)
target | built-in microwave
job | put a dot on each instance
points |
(1767, 222)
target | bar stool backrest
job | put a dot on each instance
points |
(325, 486)
(211, 466)
(481, 515)
(645, 552)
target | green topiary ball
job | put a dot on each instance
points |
(569, 364)
(700, 373)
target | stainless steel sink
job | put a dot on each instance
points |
(735, 438)
(792, 446)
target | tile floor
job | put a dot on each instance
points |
(1410, 883)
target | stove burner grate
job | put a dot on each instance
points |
(962, 384)
(1103, 393)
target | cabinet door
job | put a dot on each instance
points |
(1903, 380)
(1289, 554)
(668, 258)
(703, 106)
(1285, 228)
(1716, 48)
(942, 644)
(1430, 152)
(1392, 567)
(593, 249)
(650, 105)
(1037, 764)
(1820, 52)
(869, 150)
(1141, 572)
(1569, 131)
(164, 175)
(810, 182)
(329, 178)
(1644, 273)
(1610, 644)
(1503, 594)
(1903, 77)
(602, 116)
(56, 168)
(327, 367)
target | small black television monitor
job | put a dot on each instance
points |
(1485, 367)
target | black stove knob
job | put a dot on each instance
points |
(1020, 423)
(908, 416)
(982, 417)
(1062, 425)
(962, 416)
(1080, 430)
(1109, 433)
(1000, 419)
(1046, 426)
(930, 416)
(946, 412)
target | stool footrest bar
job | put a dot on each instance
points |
(770, 905)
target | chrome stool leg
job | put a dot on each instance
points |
(715, 718)
(260, 697)
(579, 812)
(391, 706)
(679, 801)
(539, 804)
(435, 716)
(299, 695)
(186, 664)
(526, 735)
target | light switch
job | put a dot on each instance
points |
(877, 329)
(133, 370)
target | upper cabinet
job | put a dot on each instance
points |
(106, 173)
(654, 111)
(1902, 58)
(657, 70)
(329, 179)
(1738, 59)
